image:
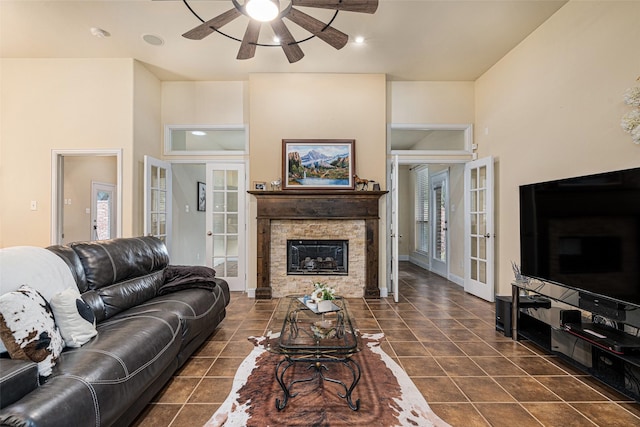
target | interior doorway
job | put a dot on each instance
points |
(72, 211)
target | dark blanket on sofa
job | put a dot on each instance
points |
(180, 277)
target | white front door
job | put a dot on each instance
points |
(226, 229)
(103, 209)
(439, 212)
(479, 232)
(157, 199)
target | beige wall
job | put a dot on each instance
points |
(552, 107)
(203, 103)
(430, 102)
(57, 104)
(326, 106)
(147, 131)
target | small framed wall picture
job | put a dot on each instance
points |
(259, 186)
(202, 196)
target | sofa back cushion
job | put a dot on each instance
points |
(113, 261)
(121, 273)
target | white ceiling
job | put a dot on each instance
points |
(426, 40)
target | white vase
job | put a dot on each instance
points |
(325, 305)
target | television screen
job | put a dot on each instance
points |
(584, 232)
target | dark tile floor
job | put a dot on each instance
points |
(445, 340)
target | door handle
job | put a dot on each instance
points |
(209, 233)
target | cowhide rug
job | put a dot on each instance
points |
(387, 395)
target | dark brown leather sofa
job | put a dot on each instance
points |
(144, 336)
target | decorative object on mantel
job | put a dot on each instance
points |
(631, 121)
(276, 185)
(259, 186)
(318, 164)
(263, 11)
(363, 183)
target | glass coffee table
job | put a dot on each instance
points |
(318, 340)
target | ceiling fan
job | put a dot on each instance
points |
(290, 46)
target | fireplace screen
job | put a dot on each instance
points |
(326, 257)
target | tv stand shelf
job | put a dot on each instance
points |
(607, 338)
(600, 339)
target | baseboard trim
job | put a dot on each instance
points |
(457, 280)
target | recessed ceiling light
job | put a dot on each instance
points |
(99, 32)
(153, 39)
(359, 39)
(276, 40)
(198, 133)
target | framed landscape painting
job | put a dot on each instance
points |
(318, 164)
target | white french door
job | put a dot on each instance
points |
(439, 212)
(157, 199)
(395, 286)
(479, 231)
(225, 222)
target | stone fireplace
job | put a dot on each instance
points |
(317, 215)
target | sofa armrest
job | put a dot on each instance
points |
(17, 379)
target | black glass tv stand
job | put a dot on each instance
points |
(601, 339)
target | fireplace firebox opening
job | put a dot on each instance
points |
(315, 257)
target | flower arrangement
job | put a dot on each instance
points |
(322, 292)
(631, 121)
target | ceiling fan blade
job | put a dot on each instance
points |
(206, 28)
(362, 6)
(248, 45)
(324, 32)
(287, 42)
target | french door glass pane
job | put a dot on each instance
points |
(218, 180)
(154, 177)
(232, 223)
(232, 246)
(162, 184)
(218, 223)
(218, 201)
(218, 246)
(232, 202)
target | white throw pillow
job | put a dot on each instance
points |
(28, 329)
(74, 317)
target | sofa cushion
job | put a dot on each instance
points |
(28, 329)
(17, 378)
(74, 317)
(111, 261)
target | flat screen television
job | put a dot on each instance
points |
(584, 232)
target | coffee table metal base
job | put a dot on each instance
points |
(318, 366)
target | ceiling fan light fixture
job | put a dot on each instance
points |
(263, 10)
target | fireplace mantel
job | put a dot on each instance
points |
(317, 204)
